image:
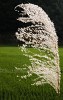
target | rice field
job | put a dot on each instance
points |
(13, 87)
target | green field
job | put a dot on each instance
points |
(13, 87)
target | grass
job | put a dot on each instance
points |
(13, 87)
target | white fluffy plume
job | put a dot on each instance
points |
(41, 36)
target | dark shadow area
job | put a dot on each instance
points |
(9, 23)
